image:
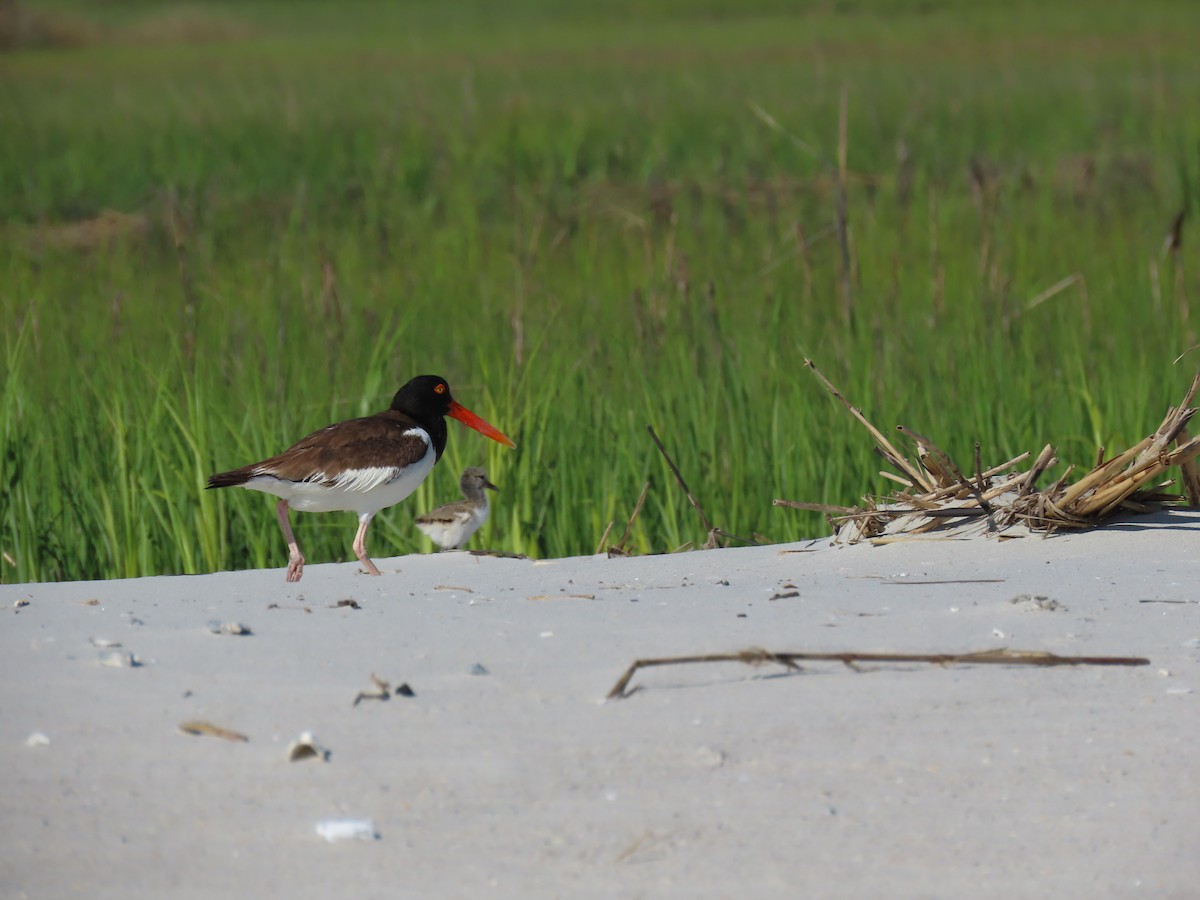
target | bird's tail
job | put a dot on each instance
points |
(233, 478)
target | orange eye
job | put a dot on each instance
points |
(439, 389)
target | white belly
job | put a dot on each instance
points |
(357, 490)
(452, 535)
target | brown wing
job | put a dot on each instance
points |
(375, 442)
(451, 512)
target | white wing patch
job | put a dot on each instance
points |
(359, 481)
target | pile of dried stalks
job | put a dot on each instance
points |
(935, 494)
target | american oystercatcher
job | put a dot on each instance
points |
(452, 525)
(361, 465)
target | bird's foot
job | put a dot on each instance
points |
(295, 568)
(369, 566)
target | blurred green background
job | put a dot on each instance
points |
(225, 225)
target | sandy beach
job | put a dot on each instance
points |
(508, 774)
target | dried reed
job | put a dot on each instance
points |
(935, 493)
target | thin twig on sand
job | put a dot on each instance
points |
(756, 656)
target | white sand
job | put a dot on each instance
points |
(713, 781)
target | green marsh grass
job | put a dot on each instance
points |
(578, 217)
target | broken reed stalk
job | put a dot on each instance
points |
(892, 454)
(604, 537)
(637, 508)
(1044, 461)
(947, 472)
(750, 541)
(757, 656)
(1104, 471)
(942, 493)
(708, 526)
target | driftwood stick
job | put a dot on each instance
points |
(756, 656)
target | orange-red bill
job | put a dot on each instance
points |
(468, 418)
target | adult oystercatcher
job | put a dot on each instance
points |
(361, 465)
(452, 525)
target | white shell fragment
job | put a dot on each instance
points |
(104, 643)
(347, 830)
(119, 659)
(228, 627)
(306, 747)
(37, 739)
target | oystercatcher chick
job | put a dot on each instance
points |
(361, 465)
(452, 525)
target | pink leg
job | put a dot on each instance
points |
(360, 543)
(295, 558)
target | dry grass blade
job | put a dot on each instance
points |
(816, 507)
(757, 656)
(708, 526)
(619, 549)
(604, 539)
(1054, 289)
